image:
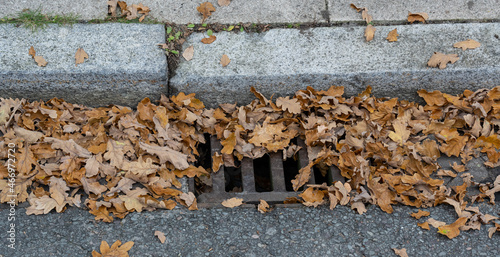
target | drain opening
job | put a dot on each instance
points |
(262, 174)
(291, 169)
(203, 184)
(233, 178)
(322, 174)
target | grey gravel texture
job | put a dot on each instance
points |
(255, 11)
(85, 10)
(282, 61)
(246, 232)
(124, 65)
(397, 11)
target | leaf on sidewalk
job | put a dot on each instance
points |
(40, 61)
(80, 56)
(393, 35)
(224, 61)
(369, 32)
(452, 230)
(467, 44)
(205, 9)
(223, 2)
(32, 52)
(208, 40)
(188, 53)
(440, 60)
(420, 16)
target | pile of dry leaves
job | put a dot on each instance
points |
(115, 160)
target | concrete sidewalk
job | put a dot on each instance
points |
(278, 11)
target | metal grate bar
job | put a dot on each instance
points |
(218, 183)
(247, 175)
(277, 172)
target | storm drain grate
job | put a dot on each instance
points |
(267, 178)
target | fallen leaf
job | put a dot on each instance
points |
(223, 2)
(32, 52)
(424, 225)
(80, 56)
(359, 206)
(188, 198)
(420, 214)
(165, 153)
(312, 197)
(292, 105)
(369, 33)
(233, 202)
(188, 53)
(263, 206)
(217, 162)
(467, 44)
(112, 7)
(393, 35)
(494, 229)
(161, 236)
(400, 252)
(420, 16)
(452, 230)
(208, 40)
(205, 9)
(115, 250)
(224, 60)
(40, 61)
(440, 59)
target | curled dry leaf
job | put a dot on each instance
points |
(205, 9)
(224, 61)
(188, 53)
(400, 252)
(112, 4)
(208, 40)
(161, 236)
(494, 229)
(424, 225)
(217, 161)
(393, 35)
(369, 32)
(40, 61)
(80, 56)
(452, 230)
(467, 44)
(420, 16)
(263, 206)
(114, 250)
(233, 202)
(32, 52)
(440, 60)
(420, 214)
(223, 2)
